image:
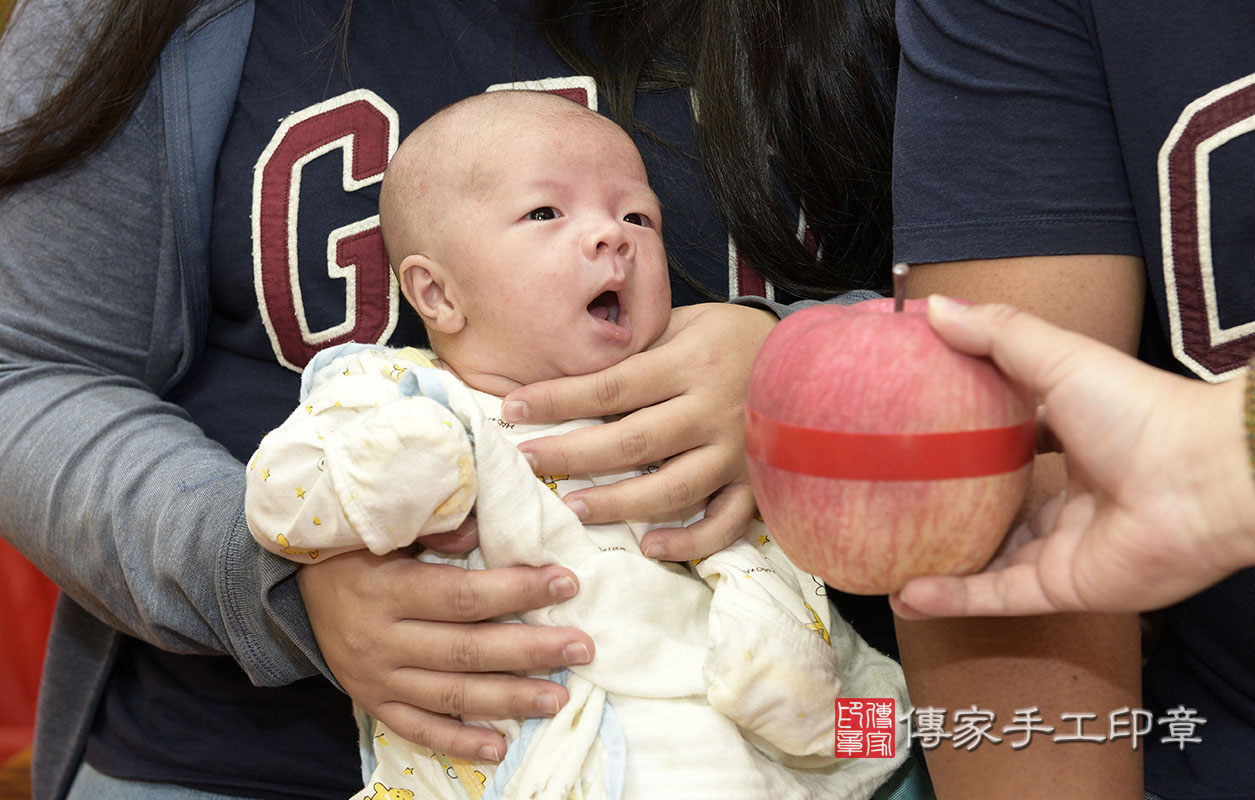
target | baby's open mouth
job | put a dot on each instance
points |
(605, 306)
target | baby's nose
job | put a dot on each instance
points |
(610, 237)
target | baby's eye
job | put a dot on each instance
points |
(543, 213)
(637, 219)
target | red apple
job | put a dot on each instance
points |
(877, 452)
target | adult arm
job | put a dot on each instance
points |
(111, 491)
(1061, 665)
(1128, 535)
(1005, 146)
(139, 517)
(122, 500)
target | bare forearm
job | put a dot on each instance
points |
(1062, 666)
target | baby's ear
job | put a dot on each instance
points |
(426, 285)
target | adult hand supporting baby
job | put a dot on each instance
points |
(407, 640)
(685, 403)
(1159, 503)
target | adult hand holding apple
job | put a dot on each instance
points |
(878, 453)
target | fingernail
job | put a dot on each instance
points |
(655, 551)
(562, 588)
(941, 304)
(548, 705)
(469, 529)
(531, 460)
(514, 411)
(576, 653)
(578, 507)
(489, 753)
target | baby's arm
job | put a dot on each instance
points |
(779, 655)
(358, 465)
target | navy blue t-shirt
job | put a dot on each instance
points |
(297, 264)
(1028, 128)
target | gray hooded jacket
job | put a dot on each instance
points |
(104, 298)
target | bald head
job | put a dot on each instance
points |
(436, 162)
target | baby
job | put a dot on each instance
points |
(524, 232)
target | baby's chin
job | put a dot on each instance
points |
(595, 359)
(587, 364)
(576, 359)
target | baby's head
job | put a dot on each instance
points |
(523, 231)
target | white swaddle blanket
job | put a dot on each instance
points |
(710, 680)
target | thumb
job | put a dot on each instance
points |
(1028, 350)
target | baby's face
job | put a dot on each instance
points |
(558, 250)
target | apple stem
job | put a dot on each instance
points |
(900, 271)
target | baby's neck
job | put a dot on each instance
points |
(495, 385)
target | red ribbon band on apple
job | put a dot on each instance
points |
(889, 456)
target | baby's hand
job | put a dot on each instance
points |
(462, 540)
(685, 405)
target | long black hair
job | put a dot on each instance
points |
(98, 95)
(792, 91)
